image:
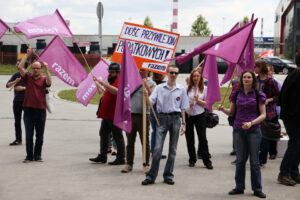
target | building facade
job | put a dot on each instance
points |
(287, 29)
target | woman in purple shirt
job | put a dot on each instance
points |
(246, 131)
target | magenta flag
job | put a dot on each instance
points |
(88, 88)
(3, 28)
(210, 72)
(63, 63)
(246, 62)
(129, 80)
(229, 46)
(44, 25)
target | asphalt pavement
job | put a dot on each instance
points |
(72, 137)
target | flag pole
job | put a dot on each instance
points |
(233, 75)
(144, 131)
(153, 111)
(82, 55)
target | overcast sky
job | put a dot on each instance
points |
(220, 14)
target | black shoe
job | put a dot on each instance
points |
(259, 194)
(117, 162)
(27, 159)
(38, 159)
(272, 157)
(169, 181)
(147, 182)
(233, 153)
(16, 142)
(163, 156)
(99, 159)
(192, 165)
(209, 166)
(235, 191)
(113, 153)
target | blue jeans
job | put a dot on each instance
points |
(291, 160)
(247, 143)
(34, 119)
(172, 124)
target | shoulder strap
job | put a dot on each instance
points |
(257, 102)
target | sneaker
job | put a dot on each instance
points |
(296, 178)
(27, 159)
(147, 182)
(117, 162)
(16, 142)
(98, 159)
(286, 180)
(127, 168)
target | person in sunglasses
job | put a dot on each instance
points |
(171, 102)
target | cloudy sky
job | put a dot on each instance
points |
(220, 14)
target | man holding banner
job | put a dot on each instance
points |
(106, 112)
(34, 105)
(137, 121)
(171, 101)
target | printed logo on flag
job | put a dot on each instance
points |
(148, 46)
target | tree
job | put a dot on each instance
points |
(246, 19)
(148, 22)
(199, 27)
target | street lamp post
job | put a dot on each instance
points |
(100, 16)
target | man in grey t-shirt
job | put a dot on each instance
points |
(137, 121)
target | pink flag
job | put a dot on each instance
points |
(3, 28)
(210, 72)
(63, 63)
(44, 25)
(229, 46)
(129, 80)
(246, 61)
(88, 88)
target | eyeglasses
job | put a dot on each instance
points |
(36, 68)
(176, 73)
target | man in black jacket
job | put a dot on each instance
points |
(290, 114)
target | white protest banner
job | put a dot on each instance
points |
(148, 46)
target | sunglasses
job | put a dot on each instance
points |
(176, 73)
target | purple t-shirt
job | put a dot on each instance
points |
(246, 108)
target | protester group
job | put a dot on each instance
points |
(129, 91)
(180, 110)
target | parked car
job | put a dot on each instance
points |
(280, 65)
(222, 66)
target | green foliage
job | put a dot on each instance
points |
(70, 95)
(200, 27)
(8, 69)
(246, 19)
(148, 22)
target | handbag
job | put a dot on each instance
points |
(270, 130)
(49, 101)
(212, 119)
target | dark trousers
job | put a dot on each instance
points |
(34, 119)
(273, 148)
(291, 159)
(137, 126)
(18, 108)
(108, 127)
(199, 121)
